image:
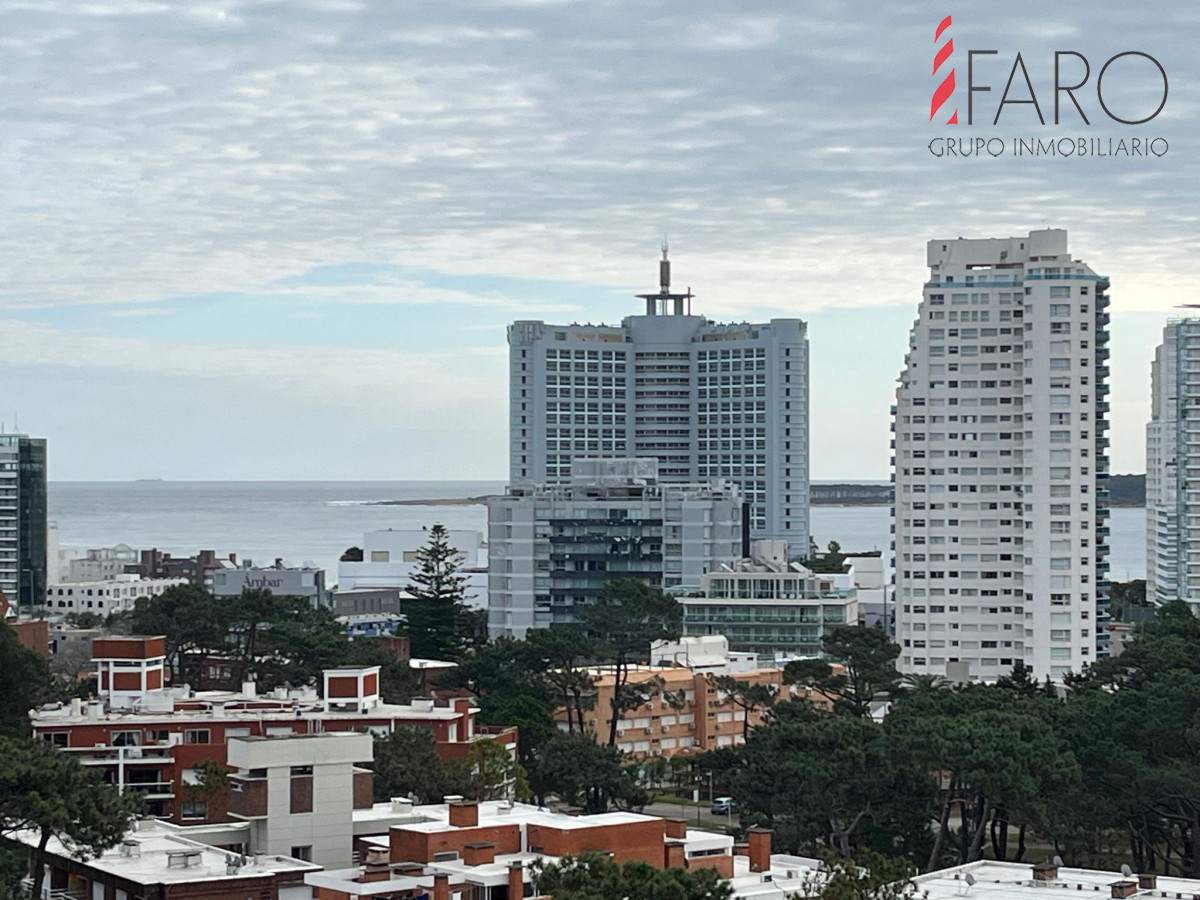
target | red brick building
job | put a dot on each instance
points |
(149, 738)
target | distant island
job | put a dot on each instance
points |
(1123, 490)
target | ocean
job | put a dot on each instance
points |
(306, 522)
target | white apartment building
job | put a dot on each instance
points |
(555, 547)
(1001, 462)
(106, 595)
(99, 564)
(1172, 460)
(390, 559)
(709, 401)
(766, 606)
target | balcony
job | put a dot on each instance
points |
(152, 790)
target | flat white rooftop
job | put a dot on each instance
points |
(154, 854)
(1014, 881)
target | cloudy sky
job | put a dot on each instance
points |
(271, 239)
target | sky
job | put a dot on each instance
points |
(256, 239)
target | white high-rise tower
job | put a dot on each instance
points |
(1001, 462)
(1173, 467)
(710, 401)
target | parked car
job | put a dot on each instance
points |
(721, 806)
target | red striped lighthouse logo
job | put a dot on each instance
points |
(945, 89)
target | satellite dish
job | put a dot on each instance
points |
(970, 880)
(1057, 861)
(1125, 870)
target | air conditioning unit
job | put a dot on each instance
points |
(665, 729)
(648, 729)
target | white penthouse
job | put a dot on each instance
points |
(1172, 460)
(1001, 462)
(709, 401)
(556, 547)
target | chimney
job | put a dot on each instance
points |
(516, 880)
(1123, 889)
(441, 887)
(1147, 881)
(233, 558)
(676, 828)
(464, 814)
(249, 690)
(479, 853)
(279, 562)
(376, 866)
(741, 849)
(760, 849)
(402, 805)
(674, 855)
(1046, 871)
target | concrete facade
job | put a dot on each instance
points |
(308, 793)
(301, 581)
(105, 596)
(708, 400)
(1172, 463)
(1001, 460)
(555, 547)
(390, 559)
(770, 607)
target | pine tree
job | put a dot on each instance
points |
(437, 614)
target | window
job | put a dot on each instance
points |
(196, 736)
(57, 738)
(195, 809)
(126, 738)
(304, 852)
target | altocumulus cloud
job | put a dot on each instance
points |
(151, 151)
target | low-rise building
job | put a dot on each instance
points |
(96, 564)
(765, 605)
(147, 738)
(197, 569)
(157, 860)
(685, 710)
(389, 559)
(281, 580)
(462, 850)
(105, 596)
(992, 880)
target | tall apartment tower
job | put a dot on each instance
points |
(709, 401)
(23, 526)
(1173, 460)
(1000, 463)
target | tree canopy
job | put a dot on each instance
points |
(47, 791)
(592, 876)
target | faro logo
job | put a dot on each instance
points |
(1072, 72)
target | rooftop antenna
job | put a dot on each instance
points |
(664, 302)
(970, 881)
